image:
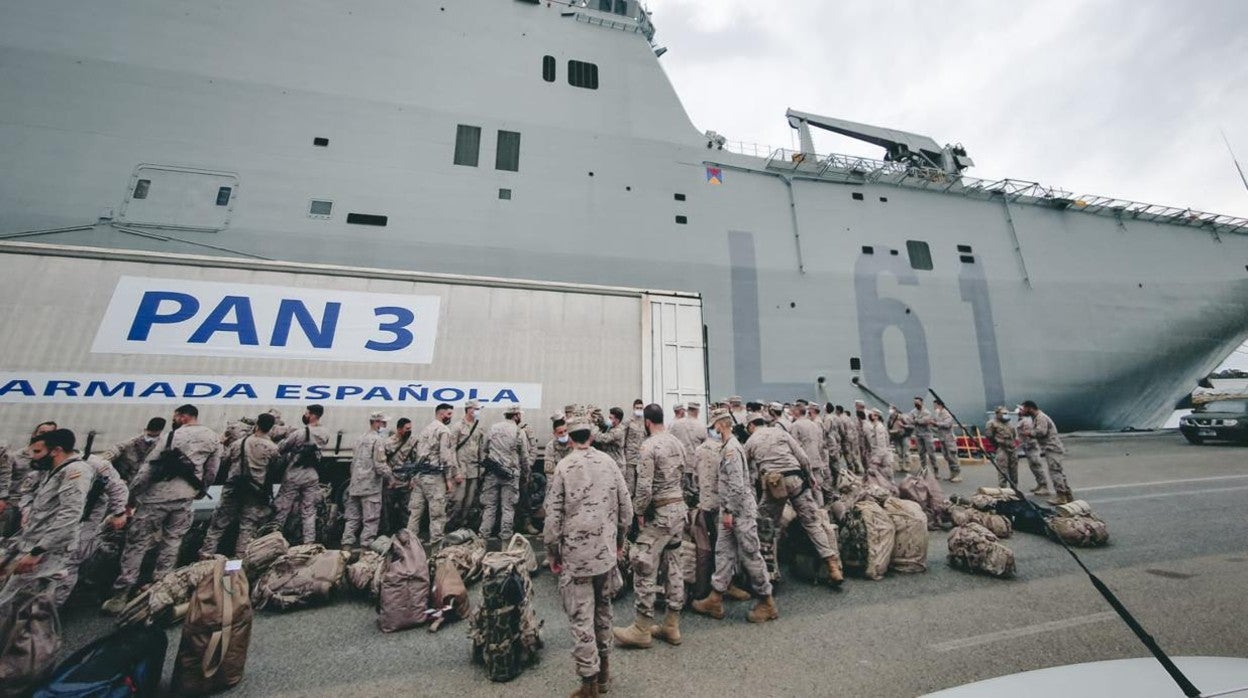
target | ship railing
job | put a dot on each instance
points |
(852, 168)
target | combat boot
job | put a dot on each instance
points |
(763, 611)
(670, 630)
(635, 635)
(712, 605)
(835, 575)
(604, 674)
(736, 593)
(588, 688)
(1062, 498)
(1040, 490)
(955, 478)
(116, 604)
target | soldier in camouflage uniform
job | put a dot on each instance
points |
(469, 438)
(851, 441)
(301, 485)
(163, 513)
(780, 462)
(634, 435)
(1031, 450)
(899, 433)
(690, 430)
(559, 446)
(436, 476)
(660, 507)
(369, 473)
(610, 440)
(1044, 431)
(808, 433)
(105, 505)
(1002, 435)
(127, 456)
(13, 471)
(245, 496)
(737, 543)
(508, 448)
(879, 445)
(280, 429)
(587, 514)
(52, 512)
(922, 421)
(943, 420)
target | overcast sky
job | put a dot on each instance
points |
(1120, 98)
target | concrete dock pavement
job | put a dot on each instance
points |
(1178, 559)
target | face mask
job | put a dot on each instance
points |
(446, 420)
(44, 463)
(148, 439)
(638, 413)
(305, 419)
(381, 430)
(862, 415)
(714, 435)
(563, 439)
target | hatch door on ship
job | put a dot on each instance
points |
(677, 350)
(182, 198)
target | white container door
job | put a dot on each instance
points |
(677, 351)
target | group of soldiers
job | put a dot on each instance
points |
(610, 477)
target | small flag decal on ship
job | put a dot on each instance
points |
(714, 175)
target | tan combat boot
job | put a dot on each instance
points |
(117, 604)
(763, 611)
(835, 575)
(736, 593)
(670, 630)
(1062, 498)
(588, 689)
(604, 674)
(1040, 490)
(635, 635)
(712, 605)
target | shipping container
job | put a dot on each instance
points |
(101, 340)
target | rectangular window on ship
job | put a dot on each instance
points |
(508, 155)
(467, 145)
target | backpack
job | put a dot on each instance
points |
(922, 487)
(304, 576)
(30, 635)
(213, 651)
(403, 596)
(961, 514)
(262, 552)
(974, 548)
(128, 662)
(910, 540)
(869, 539)
(167, 600)
(1025, 516)
(1079, 531)
(504, 629)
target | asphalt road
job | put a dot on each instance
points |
(1178, 559)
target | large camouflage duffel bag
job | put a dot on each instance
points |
(867, 544)
(806, 563)
(30, 635)
(961, 514)
(262, 552)
(463, 549)
(1075, 524)
(923, 488)
(975, 549)
(403, 595)
(910, 540)
(364, 575)
(304, 576)
(166, 601)
(505, 632)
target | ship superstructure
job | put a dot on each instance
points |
(542, 140)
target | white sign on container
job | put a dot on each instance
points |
(210, 318)
(30, 387)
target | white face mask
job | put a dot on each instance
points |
(638, 413)
(713, 435)
(148, 439)
(563, 439)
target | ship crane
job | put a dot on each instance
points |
(899, 146)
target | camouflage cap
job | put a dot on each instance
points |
(277, 414)
(513, 409)
(755, 417)
(473, 404)
(718, 414)
(775, 407)
(735, 399)
(678, 407)
(694, 405)
(569, 408)
(378, 417)
(1000, 409)
(557, 416)
(812, 407)
(579, 422)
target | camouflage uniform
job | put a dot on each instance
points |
(552, 454)
(943, 421)
(611, 442)
(832, 440)
(922, 421)
(706, 464)
(634, 435)
(368, 473)
(106, 498)
(898, 424)
(880, 447)
(774, 451)
(53, 507)
(1045, 433)
(587, 513)
(851, 449)
(251, 511)
(690, 431)
(1002, 434)
(1032, 450)
(658, 497)
(435, 451)
(127, 456)
(163, 513)
(810, 436)
(468, 459)
(506, 445)
(739, 544)
(301, 486)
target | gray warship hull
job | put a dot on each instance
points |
(990, 293)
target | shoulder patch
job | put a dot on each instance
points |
(73, 474)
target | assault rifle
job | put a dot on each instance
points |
(496, 469)
(173, 464)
